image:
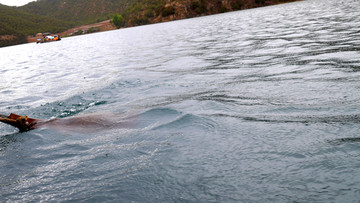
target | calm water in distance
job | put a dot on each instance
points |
(260, 105)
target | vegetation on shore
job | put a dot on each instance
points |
(118, 20)
(140, 12)
(59, 15)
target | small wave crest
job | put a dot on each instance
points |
(66, 108)
(342, 119)
(345, 140)
(167, 118)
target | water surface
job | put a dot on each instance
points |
(260, 105)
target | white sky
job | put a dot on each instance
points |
(15, 2)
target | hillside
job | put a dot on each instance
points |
(77, 11)
(137, 12)
(145, 11)
(15, 25)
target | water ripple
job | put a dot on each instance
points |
(259, 105)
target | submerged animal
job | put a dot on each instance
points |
(91, 122)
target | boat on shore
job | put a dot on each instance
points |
(47, 37)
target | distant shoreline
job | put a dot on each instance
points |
(100, 27)
(107, 25)
(180, 10)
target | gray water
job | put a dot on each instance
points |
(260, 105)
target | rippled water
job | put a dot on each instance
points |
(260, 105)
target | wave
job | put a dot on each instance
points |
(168, 118)
(326, 119)
(344, 140)
(69, 107)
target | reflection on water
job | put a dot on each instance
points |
(259, 105)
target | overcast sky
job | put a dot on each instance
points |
(15, 2)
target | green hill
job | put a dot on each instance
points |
(140, 12)
(77, 11)
(15, 25)
(137, 12)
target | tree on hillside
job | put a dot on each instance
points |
(118, 20)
